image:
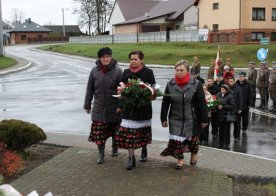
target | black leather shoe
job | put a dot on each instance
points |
(144, 155)
(227, 147)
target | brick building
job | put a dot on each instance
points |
(28, 30)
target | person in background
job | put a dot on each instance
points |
(196, 75)
(229, 63)
(102, 84)
(214, 90)
(219, 80)
(196, 66)
(227, 73)
(211, 70)
(252, 79)
(185, 112)
(272, 87)
(204, 136)
(267, 93)
(246, 99)
(238, 104)
(135, 129)
(262, 84)
(226, 105)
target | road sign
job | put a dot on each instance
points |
(264, 41)
(262, 54)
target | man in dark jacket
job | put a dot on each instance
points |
(214, 90)
(237, 94)
(246, 99)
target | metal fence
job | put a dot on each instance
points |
(162, 36)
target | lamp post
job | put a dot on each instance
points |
(63, 21)
(1, 33)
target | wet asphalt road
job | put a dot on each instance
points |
(51, 92)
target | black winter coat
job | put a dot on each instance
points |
(227, 102)
(101, 87)
(237, 94)
(247, 96)
(146, 75)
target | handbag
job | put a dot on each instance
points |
(230, 117)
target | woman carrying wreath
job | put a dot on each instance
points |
(185, 112)
(135, 130)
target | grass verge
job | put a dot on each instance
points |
(6, 62)
(170, 53)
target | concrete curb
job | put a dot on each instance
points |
(253, 179)
(17, 67)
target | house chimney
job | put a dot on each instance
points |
(147, 13)
(29, 20)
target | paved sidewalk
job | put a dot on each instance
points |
(75, 172)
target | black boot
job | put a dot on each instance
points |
(100, 159)
(144, 154)
(131, 162)
(114, 152)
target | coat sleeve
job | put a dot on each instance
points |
(89, 91)
(166, 102)
(151, 79)
(203, 110)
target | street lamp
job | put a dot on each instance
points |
(63, 21)
(1, 33)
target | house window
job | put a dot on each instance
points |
(23, 37)
(40, 36)
(215, 27)
(215, 6)
(273, 36)
(258, 14)
(273, 14)
(256, 36)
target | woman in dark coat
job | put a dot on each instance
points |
(185, 112)
(226, 105)
(135, 130)
(102, 84)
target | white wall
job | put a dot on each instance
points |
(115, 18)
(191, 17)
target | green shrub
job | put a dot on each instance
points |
(19, 135)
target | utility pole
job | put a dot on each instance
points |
(1, 32)
(63, 21)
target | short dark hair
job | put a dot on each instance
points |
(137, 52)
(231, 78)
(103, 51)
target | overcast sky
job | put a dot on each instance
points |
(41, 11)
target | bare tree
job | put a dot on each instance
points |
(86, 12)
(17, 17)
(93, 13)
